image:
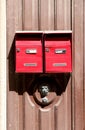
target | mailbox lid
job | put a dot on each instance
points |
(29, 53)
(58, 54)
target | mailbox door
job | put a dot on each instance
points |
(58, 55)
(29, 55)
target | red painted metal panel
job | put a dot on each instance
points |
(58, 55)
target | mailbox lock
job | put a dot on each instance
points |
(47, 49)
(18, 49)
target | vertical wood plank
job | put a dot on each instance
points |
(29, 114)
(20, 87)
(46, 14)
(77, 84)
(62, 111)
(30, 15)
(63, 14)
(59, 115)
(46, 119)
(14, 22)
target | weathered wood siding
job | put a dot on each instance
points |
(47, 15)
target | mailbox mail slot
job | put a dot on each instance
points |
(57, 53)
(29, 52)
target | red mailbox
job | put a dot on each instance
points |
(29, 56)
(58, 47)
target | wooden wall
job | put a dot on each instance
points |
(78, 63)
(47, 15)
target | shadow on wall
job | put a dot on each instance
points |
(21, 82)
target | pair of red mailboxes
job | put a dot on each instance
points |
(43, 52)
